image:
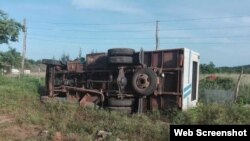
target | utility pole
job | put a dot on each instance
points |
(157, 36)
(24, 44)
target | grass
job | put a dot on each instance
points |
(19, 99)
(227, 82)
(213, 114)
(244, 81)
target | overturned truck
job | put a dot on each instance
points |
(125, 80)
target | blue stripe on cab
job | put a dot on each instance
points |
(187, 90)
(187, 93)
(187, 87)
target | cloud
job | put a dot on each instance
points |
(227, 20)
(246, 19)
(108, 5)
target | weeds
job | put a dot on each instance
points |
(222, 90)
(20, 98)
(213, 114)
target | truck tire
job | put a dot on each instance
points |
(120, 60)
(144, 81)
(121, 52)
(126, 110)
(113, 102)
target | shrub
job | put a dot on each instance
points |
(213, 114)
(218, 83)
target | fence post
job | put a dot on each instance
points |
(238, 87)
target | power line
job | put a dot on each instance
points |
(148, 38)
(208, 43)
(143, 22)
(94, 24)
(207, 28)
(148, 30)
(208, 37)
(199, 19)
(78, 30)
(98, 43)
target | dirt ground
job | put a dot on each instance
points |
(11, 130)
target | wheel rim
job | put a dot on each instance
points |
(142, 81)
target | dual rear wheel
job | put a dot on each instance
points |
(120, 56)
(144, 81)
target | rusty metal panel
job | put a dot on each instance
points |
(74, 66)
(153, 59)
(96, 60)
(147, 59)
(157, 59)
(168, 101)
(171, 81)
(170, 59)
(163, 102)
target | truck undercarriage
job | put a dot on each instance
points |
(120, 79)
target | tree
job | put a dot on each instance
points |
(208, 68)
(9, 29)
(65, 57)
(11, 57)
(80, 53)
(80, 58)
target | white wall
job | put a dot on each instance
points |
(189, 57)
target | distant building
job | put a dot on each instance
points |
(15, 71)
(27, 71)
(4, 68)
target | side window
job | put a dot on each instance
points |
(194, 80)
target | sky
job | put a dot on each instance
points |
(218, 29)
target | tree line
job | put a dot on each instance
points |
(210, 68)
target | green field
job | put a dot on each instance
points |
(244, 81)
(228, 82)
(23, 117)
